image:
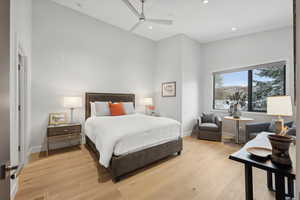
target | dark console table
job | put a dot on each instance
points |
(280, 172)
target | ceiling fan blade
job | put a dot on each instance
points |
(135, 26)
(161, 21)
(133, 9)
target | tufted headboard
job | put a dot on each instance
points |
(92, 97)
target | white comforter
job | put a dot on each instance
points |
(107, 131)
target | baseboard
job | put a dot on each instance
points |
(187, 133)
(35, 149)
(14, 189)
(40, 148)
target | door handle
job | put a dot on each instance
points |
(17, 172)
(5, 169)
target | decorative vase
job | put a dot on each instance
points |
(280, 149)
(236, 112)
(230, 109)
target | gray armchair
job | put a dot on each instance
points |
(253, 129)
(210, 127)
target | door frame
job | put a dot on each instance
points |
(22, 102)
(17, 157)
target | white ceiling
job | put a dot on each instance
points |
(203, 22)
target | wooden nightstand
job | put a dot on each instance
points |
(63, 132)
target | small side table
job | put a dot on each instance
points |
(237, 126)
(63, 132)
(155, 115)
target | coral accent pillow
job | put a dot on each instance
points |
(116, 109)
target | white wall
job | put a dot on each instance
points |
(168, 69)
(179, 59)
(74, 54)
(192, 86)
(246, 51)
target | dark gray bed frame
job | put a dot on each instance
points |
(124, 164)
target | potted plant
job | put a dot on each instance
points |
(280, 147)
(236, 101)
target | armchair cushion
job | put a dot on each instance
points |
(208, 118)
(292, 131)
(218, 121)
(209, 126)
(253, 129)
(289, 124)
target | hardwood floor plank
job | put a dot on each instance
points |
(203, 171)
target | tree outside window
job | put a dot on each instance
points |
(249, 88)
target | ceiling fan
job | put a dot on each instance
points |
(141, 16)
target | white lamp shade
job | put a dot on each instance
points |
(148, 101)
(72, 102)
(280, 106)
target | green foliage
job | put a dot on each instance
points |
(238, 97)
(268, 81)
(270, 84)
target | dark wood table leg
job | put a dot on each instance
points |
(270, 181)
(248, 182)
(47, 150)
(279, 187)
(291, 191)
(237, 133)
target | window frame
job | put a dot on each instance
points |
(250, 82)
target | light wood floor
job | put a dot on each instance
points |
(203, 171)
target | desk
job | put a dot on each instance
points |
(237, 126)
(244, 157)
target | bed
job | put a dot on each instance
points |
(137, 141)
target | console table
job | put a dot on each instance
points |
(280, 172)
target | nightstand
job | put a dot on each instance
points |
(155, 115)
(63, 132)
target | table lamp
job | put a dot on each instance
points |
(147, 102)
(279, 106)
(72, 103)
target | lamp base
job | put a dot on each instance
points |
(72, 113)
(279, 124)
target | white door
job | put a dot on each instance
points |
(21, 87)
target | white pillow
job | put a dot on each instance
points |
(101, 108)
(93, 109)
(128, 108)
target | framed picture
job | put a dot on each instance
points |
(57, 118)
(168, 89)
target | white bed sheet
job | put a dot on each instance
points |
(120, 135)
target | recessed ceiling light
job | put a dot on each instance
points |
(150, 27)
(205, 1)
(79, 5)
(233, 28)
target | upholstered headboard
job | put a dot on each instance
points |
(92, 97)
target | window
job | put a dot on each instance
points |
(250, 86)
